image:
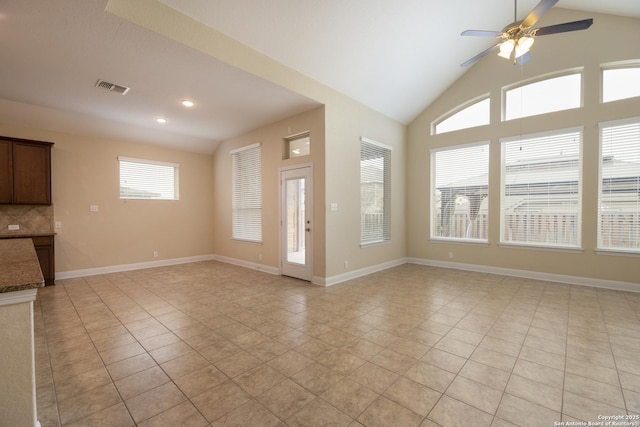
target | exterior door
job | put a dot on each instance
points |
(296, 225)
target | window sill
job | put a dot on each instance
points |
(378, 243)
(475, 242)
(568, 249)
(251, 242)
(617, 252)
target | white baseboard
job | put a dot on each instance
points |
(247, 264)
(334, 280)
(527, 274)
(129, 267)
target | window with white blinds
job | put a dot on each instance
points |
(619, 195)
(246, 193)
(148, 179)
(375, 192)
(459, 192)
(541, 189)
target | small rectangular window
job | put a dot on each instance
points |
(375, 192)
(459, 192)
(148, 179)
(246, 193)
(544, 96)
(620, 83)
(619, 195)
(542, 189)
(297, 145)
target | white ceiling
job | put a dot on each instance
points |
(394, 56)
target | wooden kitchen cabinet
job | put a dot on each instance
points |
(25, 172)
(46, 257)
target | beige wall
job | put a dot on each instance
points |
(346, 123)
(609, 39)
(271, 138)
(85, 172)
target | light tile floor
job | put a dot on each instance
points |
(213, 344)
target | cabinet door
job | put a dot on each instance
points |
(6, 175)
(31, 174)
(46, 257)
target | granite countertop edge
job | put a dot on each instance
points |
(25, 235)
(19, 266)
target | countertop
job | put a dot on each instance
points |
(19, 267)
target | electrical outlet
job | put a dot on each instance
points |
(259, 257)
(155, 254)
(94, 208)
(346, 264)
(450, 255)
(58, 225)
(14, 227)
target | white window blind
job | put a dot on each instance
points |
(459, 192)
(619, 196)
(148, 179)
(544, 96)
(541, 189)
(246, 193)
(375, 192)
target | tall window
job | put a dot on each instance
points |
(476, 114)
(148, 179)
(459, 192)
(619, 196)
(375, 192)
(541, 189)
(543, 96)
(246, 193)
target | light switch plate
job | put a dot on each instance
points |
(334, 207)
(93, 208)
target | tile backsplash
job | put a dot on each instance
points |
(32, 219)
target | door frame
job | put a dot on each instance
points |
(309, 215)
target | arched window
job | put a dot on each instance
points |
(463, 117)
(543, 96)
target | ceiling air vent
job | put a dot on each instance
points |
(112, 87)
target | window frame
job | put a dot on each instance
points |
(458, 109)
(385, 231)
(538, 79)
(600, 248)
(580, 193)
(432, 196)
(251, 226)
(635, 64)
(146, 162)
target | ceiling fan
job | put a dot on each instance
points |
(517, 38)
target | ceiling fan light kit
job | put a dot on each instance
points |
(517, 38)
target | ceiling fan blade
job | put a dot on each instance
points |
(523, 59)
(480, 55)
(537, 12)
(481, 33)
(563, 28)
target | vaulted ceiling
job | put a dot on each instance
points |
(395, 57)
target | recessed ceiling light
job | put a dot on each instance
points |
(161, 120)
(187, 103)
